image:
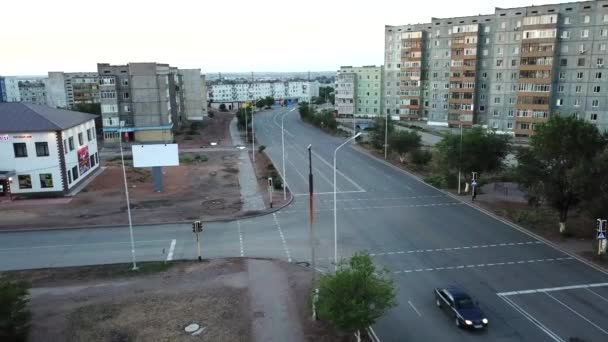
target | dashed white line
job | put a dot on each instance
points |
(413, 307)
(553, 289)
(276, 221)
(238, 223)
(171, 249)
(445, 249)
(499, 264)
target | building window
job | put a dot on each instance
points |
(69, 177)
(564, 48)
(20, 150)
(595, 103)
(42, 149)
(567, 20)
(75, 172)
(46, 180)
(560, 102)
(560, 89)
(509, 125)
(514, 62)
(125, 82)
(562, 75)
(578, 89)
(586, 19)
(510, 113)
(80, 139)
(126, 95)
(71, 143)
(563, 62)
(89, 134)
(600, 62)
(25, 181)
(602, 47)
(581, 62)
(579, 75)
(65, 146)
(596, 89)
(577, 102)
(565, 34)
(584, 33)
(593, 117)
(524, 126)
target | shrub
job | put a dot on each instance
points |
(14, 314)
(420, 157)
(438, 181)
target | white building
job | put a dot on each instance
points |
(11, 88)
(240, 92)
(43, 150)
(66, 89)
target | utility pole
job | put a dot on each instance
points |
(312, 217)
(252, 119)
(385, 136)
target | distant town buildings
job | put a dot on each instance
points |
(359, 91)
(148, 100)
(32, 91)
(508, 71)
(67, 89)
(240, 92)
(44, 150)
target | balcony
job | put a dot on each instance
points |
(415, 107)
(549, 53)
(530, 119)
(527, 106)
(523, 132)
(530, 67)
(460, 101)
(462, 90)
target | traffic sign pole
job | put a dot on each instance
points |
(601, 226)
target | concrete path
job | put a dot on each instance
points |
(275, 317)
(250, 192)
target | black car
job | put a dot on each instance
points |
(459, 305)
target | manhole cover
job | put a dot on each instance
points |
(192, 328)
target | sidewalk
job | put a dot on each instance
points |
(250, 192)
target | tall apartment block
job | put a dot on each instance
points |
(507, 71)
(33, 91)
(359, 91)
(149, 100)
(67, 89)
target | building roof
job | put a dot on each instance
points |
(26, 117)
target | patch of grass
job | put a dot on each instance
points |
(185, 159)
(201, 158)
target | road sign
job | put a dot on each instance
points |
(601, 235)
(474, 183)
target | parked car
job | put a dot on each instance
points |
(457, 304)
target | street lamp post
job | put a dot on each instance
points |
(460, 159)
(283, 149)
(335, 202)
(386, 136)
(124, 175)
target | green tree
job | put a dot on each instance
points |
(223, 107)
(403, 142)
(561, 164)
(305, 111)
(356, 295)
(269, 101)
(420, 157)
(91, 108)
(260, 103)
(482, 151)
(14, 313)
(377, 131)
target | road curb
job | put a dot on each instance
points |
(485, 211)
(230, 219)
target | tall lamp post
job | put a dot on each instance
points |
(386, 136)
(124, 175)
(283, 149)
(460, 160)
(335, 202)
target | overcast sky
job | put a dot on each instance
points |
(218, 35)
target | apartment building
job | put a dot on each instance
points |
(67, 89)
(507, 71)
(32, 91)
(149, 100)
(359, 91)
(240, 92)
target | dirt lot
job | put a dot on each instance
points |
(109, 303)
(207, 189)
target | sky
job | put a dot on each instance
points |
(216, 36)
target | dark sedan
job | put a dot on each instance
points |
(458, 304)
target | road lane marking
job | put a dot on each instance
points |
(171, 249)
(444, 250)
(238, 223)
(577, 313)
(376, 207)
(413, 307)
(552, 289)
(597, 294)
(330, 193)
(338, 172)
(381, 199)
(482, 265)
(531, 318)
(276, 221)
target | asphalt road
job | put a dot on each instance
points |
(528, 290)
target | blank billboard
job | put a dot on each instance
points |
(155, 155)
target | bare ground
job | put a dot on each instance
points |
(109, 303)
(213, 129)
(195, 189)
